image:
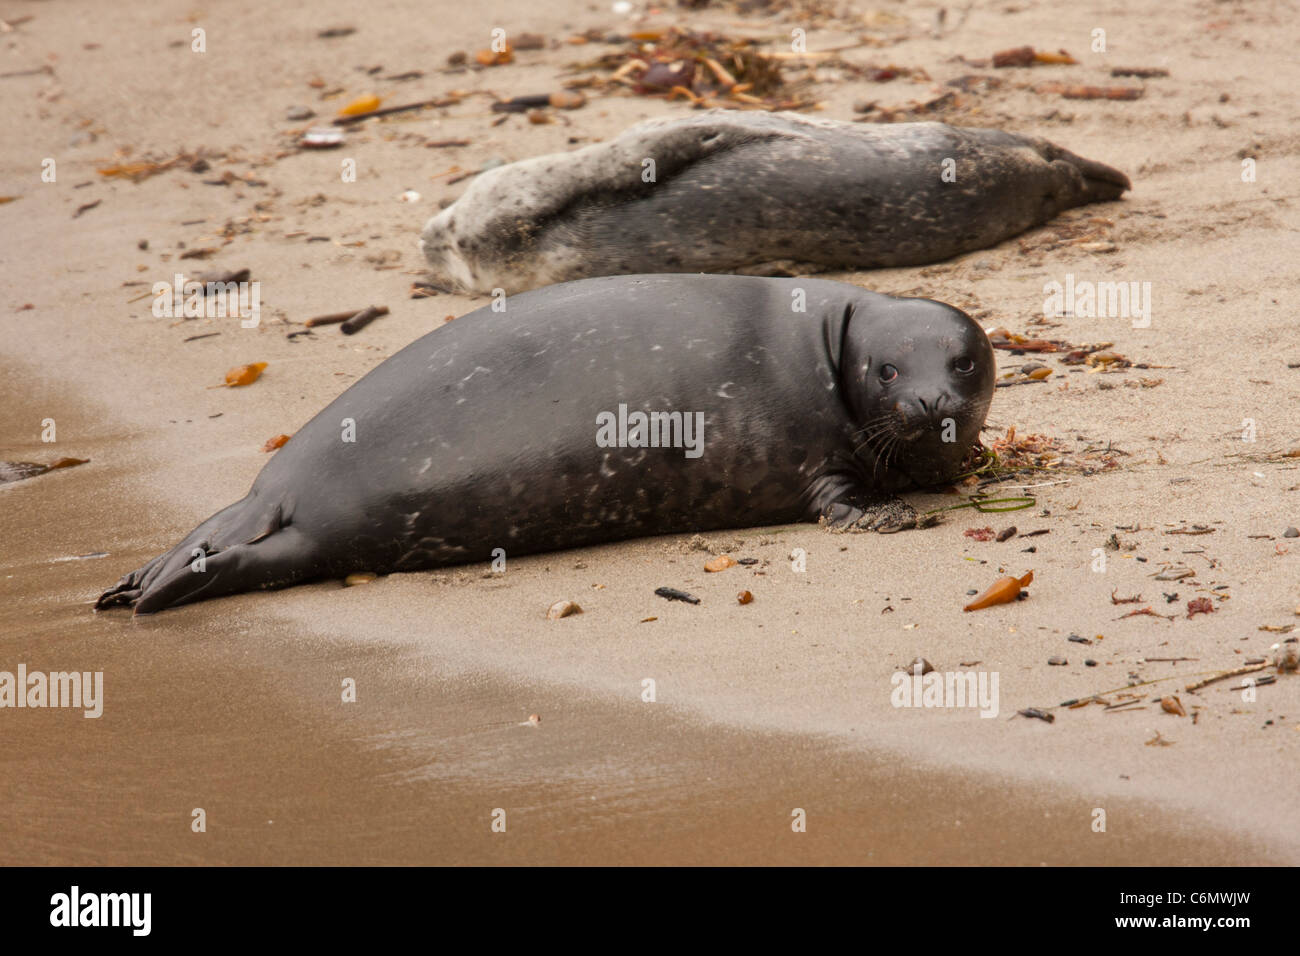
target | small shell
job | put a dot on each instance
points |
(562, 609)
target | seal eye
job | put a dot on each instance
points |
(965, 365)
(888, 373)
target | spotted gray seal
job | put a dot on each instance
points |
(762, 193)
(599, 410)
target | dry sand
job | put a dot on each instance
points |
(233, 705)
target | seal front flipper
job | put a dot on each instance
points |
(851, 508)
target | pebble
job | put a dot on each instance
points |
(1291, 533)
(925, 666)
(297, 114)
(1057, 661)
(562, 609)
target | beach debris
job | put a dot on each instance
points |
(1017, 56)
(1076, 639)
(1038, 714)
(495, 57)
(425, 290)
(450, 99)
(1141, 72)
(361, 577)
(704, 68)
(1006, 534)
(920, 666)
(1135, 599)
(1057, 661)
(19, 470)
(1159, 741)
(744, 597)
(363, 318)
(979, 534)
(1287, 656)
(563, 100)
(1172, 705)
(562, 609)
(335, 318)
(273, 443)
(242, 375)
(138, 172)
(720, 563)
(1147, 612)
(195, 338)
(361, 106)
(1201, 605)
(1002, 591)
(534, 720)
(332, 32)
(1028, 56)
(321, 137)
(672, 594)
(86, 207)
(1072, 91)
(1234, 672)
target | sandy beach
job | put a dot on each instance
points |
(1177, 456)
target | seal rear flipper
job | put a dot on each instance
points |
(245, 546)
(1101, 183)
(274, 560)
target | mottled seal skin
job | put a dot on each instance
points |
(482, 434)
(752, 192)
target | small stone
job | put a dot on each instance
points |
(720, 563)
(562, 609)
(1090, 663)
(1291, 533)
(744, 597)
(1057, 661)
(352, 580)
(921, 666)
(298, 114)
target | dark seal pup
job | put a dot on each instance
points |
(599, 410)
(763, 193)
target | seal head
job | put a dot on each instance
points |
(919, 378)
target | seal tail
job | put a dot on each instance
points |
(244, 547)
